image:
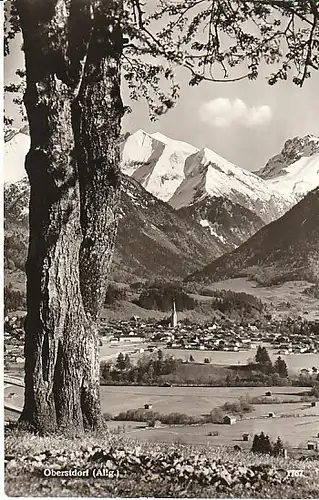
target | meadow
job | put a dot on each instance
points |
(295, 423)
(196, 400)
(110, 352)
(286, 299)
(295, 362)
(294, 432)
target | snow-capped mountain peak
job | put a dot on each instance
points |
(209, 175)
(295, 170)
(205, 158)
(297, 179)
(156, 161)
(293, 150)
(16, 146)
(183, 175)
(138, 148)
(174, 143)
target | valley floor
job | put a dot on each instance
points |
(295, 422)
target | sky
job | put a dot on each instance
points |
(247, 122)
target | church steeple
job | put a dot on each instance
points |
(174, 316)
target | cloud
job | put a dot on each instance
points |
(223, 112)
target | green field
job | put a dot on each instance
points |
(195, 400)
(294, 430)
(295, 362)
(294, 422)
(110, 352)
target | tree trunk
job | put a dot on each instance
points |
(72, 52)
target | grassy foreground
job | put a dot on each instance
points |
(133, 469)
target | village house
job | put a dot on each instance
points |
(229, 420)
(313, 445)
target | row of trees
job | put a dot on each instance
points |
(149, 416)
(160, 295)
(159, 369)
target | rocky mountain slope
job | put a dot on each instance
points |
(155, 161)
(153, 239)
(230, 222)
(286, 249)
(207, 176)
(293, 150)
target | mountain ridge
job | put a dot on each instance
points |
(210, 175)
(197, 177)
(153, 239)
(155, 161)
(214, 201)
(286, 249)
(292, 151)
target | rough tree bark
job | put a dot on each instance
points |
(72, 53)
